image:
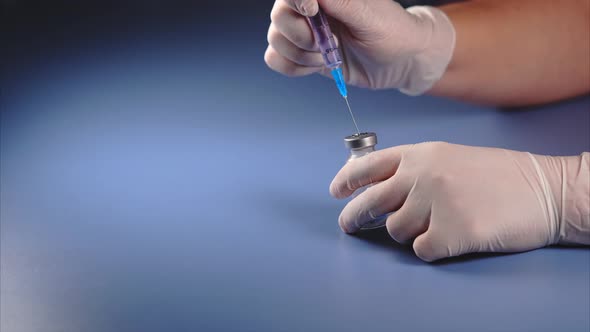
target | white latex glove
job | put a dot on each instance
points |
(455, 199)
(382, 45)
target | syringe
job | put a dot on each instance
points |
(329, 49)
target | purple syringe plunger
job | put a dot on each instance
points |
(325, 39)
(327, 43)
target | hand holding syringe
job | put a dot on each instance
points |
(329, 48)
(387, 46)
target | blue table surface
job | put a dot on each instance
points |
(144, 188)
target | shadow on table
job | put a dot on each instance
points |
(380, 239)
(318, 218)
(546, 262)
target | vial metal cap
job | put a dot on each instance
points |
(359, 141)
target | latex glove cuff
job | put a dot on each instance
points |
(438, 43)
(565, 195)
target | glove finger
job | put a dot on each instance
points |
(410, 220)
(280, 64)
(303, 7)
(293, 26)
(374, 202)
(428, 249)
(290, 51)
(374, 167)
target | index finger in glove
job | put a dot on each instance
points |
(374, 167)
(303, 7)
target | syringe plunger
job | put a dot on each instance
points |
(327, 43)
(325, 39)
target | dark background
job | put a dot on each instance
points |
(36, 30)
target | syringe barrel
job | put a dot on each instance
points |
(325, 39)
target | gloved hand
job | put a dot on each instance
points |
(455, 199)
(382, 45)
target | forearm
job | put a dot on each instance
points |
(512, 53)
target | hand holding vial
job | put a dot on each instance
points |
(454, 199)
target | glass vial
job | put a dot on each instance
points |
(361, 145)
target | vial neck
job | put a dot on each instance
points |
(356, 153)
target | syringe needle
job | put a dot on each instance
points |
(329, 49)
(358, 132)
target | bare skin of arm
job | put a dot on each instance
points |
(514, 53)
